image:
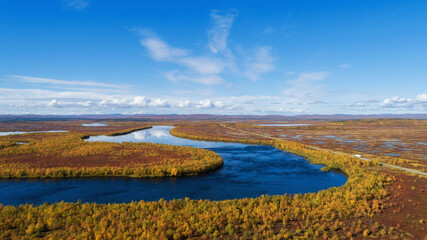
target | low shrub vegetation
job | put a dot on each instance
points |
(334, 213)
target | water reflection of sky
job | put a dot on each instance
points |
(94, 124)
(284, 124)
(160, 134)
(20, 132)
(149, 134)
(248, 171)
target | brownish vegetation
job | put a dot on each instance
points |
(68, 155)
(400, 142)
(406, 210)
(374, 203)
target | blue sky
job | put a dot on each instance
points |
(217, 57)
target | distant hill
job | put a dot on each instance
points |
(198, 117)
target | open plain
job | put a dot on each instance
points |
(391, 203)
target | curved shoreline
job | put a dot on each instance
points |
(274, 143)
(198, 161)
(309, 215)
(249, 171)
(125, 132)
(165, 171)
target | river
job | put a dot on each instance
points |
(248, 171)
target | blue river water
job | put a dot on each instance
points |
(248, 171)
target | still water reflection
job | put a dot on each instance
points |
(248, 171)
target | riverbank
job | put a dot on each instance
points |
(343, 212)
(68, 155)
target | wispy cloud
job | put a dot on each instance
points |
(345, 65)
(76, 4)
(209, 68)
(176, 76)
(199, 69)
(260, 64)
(268, 30)
(202, 65)
(392, 104)
(311, 76)
(46, 101)
(299, 98)
(160, 50)
(220, 30)
(305, 87)
(287, 25)
(63, 82)
(35, 94)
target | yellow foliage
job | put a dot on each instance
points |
(302, 216)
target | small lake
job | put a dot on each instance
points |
(284, 124)
(20, 132)
(94, 124)
(248, 171)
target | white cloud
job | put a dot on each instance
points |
(20, 101)
(392, 105)
(174, 76)
(210, 104)
(202, 79)
(76, 4)
(18, 94)
(114, 102)
(345, 65)
(219, 32)
(422, 98)
(302, 95)
(184, 104)
(198, 69)
(160, 50)
(203, 70)
(371, 101)
(203, 65)
(159, 103)
(57, 104)
(208, 80)
(306, 87)
(205, 104)
(63, 82)
(311, 76)
(395, 102)
(260, 64)
(358, 105)
(206, 69)
(134, 102)
(420, 102)
(146, 102)
(140, 101)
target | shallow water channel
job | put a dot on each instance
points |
(248, 171)
(20, 132)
